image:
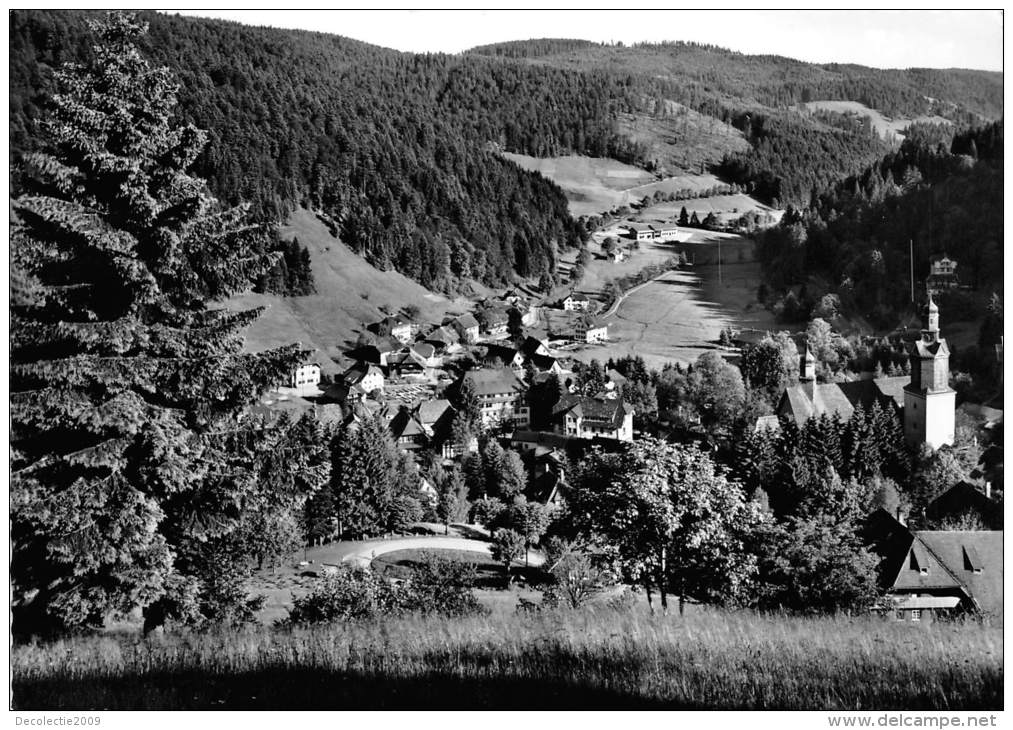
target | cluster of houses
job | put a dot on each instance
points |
(659, 232)
(925, 573)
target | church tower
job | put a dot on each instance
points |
(929, 403)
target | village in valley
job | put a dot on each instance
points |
(514, 372)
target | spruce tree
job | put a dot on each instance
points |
(130, 462)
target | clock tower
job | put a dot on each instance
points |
(929, 402)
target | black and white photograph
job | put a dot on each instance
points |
(506, 360)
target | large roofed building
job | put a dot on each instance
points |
(590, 417)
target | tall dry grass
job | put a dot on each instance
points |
(600, 659)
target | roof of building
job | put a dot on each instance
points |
(443, 335)
(357, 373)
(505, 353)
(431, 411)
(616, 377)
(494, 317)
(466, 321)
(972, 557)
(608, 412)
(404, 423)
(532, 345)
(937, 560)
(808, 399)
(543, 363)
(577, 297)
(965, 498)
(639, 227)
(664, 227)
(424, 349)
(493, 381)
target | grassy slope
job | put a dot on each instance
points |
(331, 318)
(594, 185)
(884, 125)
(605, 658)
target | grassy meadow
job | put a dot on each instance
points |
(591, 659)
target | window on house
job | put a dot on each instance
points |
(916, 614)
(899, 614)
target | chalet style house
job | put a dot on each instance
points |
(502, 397)
(926, 573)
(593, 417)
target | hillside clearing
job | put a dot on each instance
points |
(595, 185)
(349, 293)
(885, 127)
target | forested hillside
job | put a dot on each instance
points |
(938, 193)
(399, 150)
(792, 158)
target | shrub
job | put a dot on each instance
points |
(435, 586)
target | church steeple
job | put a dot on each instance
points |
(933, 318)
(928, 400)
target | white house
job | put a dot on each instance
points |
(305, 376)
(586, 417)
(575, 302)
(640, 231)
(590, 331)
(502, 397)
(367, 376)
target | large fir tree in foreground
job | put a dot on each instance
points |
(134, 472)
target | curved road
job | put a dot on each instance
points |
(363, 553)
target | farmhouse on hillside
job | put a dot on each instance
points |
(930, 572)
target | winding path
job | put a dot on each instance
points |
(363, 553)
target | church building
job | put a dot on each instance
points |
(924, 400)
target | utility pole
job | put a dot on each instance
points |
(911, 255)
(719, 262)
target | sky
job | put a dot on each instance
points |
(879, 38)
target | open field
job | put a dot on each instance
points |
(349, 292)
(885, 127)
(679, 316)
(588, 659)
(594, 185)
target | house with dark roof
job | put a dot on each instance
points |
(502, 396)
(394, 325)
(467, 326)
(964, 502)
(445, 339)
(366, 376)
(506, 355)
(808, 398)
(925, 573)
(639, 231)
(408, 431)
(593, 417)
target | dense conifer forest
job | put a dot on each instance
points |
(398, 150)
